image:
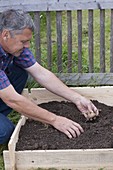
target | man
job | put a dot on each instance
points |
(16, 61)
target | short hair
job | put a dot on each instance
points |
(16, 20)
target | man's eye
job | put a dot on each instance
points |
(23, 42)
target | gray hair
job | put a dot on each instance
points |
(15, 20)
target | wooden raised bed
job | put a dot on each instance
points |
(88, 159)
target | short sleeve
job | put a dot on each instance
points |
(4, 81)
(26, 59)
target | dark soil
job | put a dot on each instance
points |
(97, 134)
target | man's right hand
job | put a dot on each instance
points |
(67, 126)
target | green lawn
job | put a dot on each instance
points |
(4, 147)
(1, 163)
(96, 29)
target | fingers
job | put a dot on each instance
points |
(78, 127)
(96, 111)
(92, 112)
(88, 109)
(68, 127)
(92, 109)
(74, 130)
(90, 115)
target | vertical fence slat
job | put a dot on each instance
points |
(102, 41)
(69, 23)
(49, 55)
(37, 36)
(59, 39)
(111, 44)
(90, 36)
(79, 20)
(90, 49)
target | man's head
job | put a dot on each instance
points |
(16, 29)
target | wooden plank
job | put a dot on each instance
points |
(25, 93)
(69, 40)
(79, 21)
(102, 94)
(49, 47)
(55, 5)
(104, 4)
(91, 159)
(59, 40)
(86, 79)
(62, 159)
(102, 41)
(111, 43)
(37, 36)
(90, 36)
(12, 143)
(6, 158)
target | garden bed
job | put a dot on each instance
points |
(98, 134)
(58, 154)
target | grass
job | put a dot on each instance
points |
(1, 163)
(2, 147)
(75, 41)
(14, 116)
(85, 58)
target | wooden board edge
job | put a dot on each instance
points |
(101, 93)
(9, 156)
(91, 159)
(13, 141)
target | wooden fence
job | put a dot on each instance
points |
(72, 76)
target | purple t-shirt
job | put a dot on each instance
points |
(25, 60)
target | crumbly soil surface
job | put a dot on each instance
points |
(97, 134)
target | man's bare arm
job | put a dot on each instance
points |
(48, 80)
(31, 110)
(24, 106)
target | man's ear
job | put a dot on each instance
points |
(6, 34)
